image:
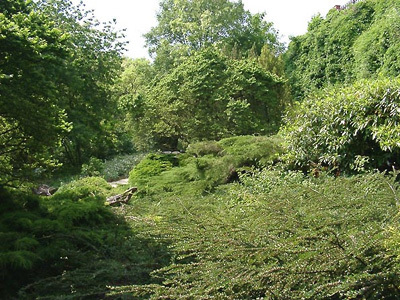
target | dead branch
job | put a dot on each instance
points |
(122, 198)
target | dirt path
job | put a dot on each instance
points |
(119, 182)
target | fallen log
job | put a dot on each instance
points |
(122, 198)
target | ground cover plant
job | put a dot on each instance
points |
(112, 169)
(70, 245)
(272, 234)
(277, 235)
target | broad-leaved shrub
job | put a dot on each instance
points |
(350, 128)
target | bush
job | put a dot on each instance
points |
(350, 128)
(281, 235)
(252, 150)
(88, 188)
(70, 245)
(152, 165)
(204, 166)
(204, 148)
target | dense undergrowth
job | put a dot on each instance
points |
(70, 245)
(270, 234)
(273, 234)
(350, 128)
(204, 166)
(195, 231)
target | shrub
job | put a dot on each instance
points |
(87, 188)
(347, 127)
(205, 165)
(281, 235)
(70, 245)
(252, 150)
(152, 165)
(81, 202)
(204, 148)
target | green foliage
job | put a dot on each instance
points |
(204, 166)
(252, 150)
(132, 83)
(392, 241)
(220, 221)
(85, 188)
(70, 245)
(94, 167)
(376, 50)
(119, 166)
(358, 42)
(56, 70)
(33, 52)
(279, 235)
(129, 91)
(152, 165)
(204, 148)
(112, 169)
(187, 26)
(94, 61)
(271, 61)
(343, 127)
(208, 97)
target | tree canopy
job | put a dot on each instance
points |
(33, 55)
(208, 96)
(358, 42)
(185, 26)
(91, 68)
(56, 73)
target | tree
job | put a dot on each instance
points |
(376, 51)
(209, 96)
(86, 92)
(325, 54)
(33, 54)
(185, 26)
(129, 91)
(132, 84)
(271, 61)
(56, 72)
